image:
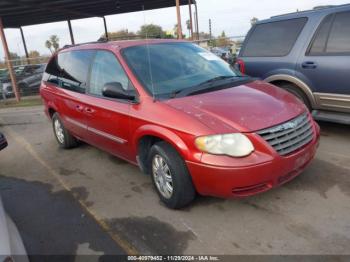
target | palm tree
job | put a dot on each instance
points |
(48, 45)
(53, 42)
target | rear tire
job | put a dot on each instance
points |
(298, 93)
(62, 135)
(171, 175)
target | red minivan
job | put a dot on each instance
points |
(181, 114)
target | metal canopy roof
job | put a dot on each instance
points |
(17, 13)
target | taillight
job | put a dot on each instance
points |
(240, 65)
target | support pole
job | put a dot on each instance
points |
(191, 20)
(71, 32)
(197, 26)
(24, 45)
(105, 25)
(178, 13)
(8, 61)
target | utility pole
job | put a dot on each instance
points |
(8, 62)
(210, 35)
(178, 14)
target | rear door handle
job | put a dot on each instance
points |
(309, 65)
(79, 108)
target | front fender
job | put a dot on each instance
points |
(164, 134)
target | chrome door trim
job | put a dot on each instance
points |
(76, 123)
(106, 135)
(96, 131)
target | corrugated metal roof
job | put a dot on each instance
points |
(16, 13)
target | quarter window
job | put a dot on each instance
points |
(52, 71)
(274, 39)
(107, 69)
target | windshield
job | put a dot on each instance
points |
(167, 68)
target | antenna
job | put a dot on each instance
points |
(148, 55)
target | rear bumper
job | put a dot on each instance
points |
(249, 180)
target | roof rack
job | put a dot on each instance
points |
(315, 9)
(101, 40)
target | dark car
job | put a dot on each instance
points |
(3, 141)
(306, 53)
(181, 114)
(28, 79)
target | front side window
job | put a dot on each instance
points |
(171, 67)
(106, 69)
(274, 39)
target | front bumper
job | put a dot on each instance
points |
(241, 181)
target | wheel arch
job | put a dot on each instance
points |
(302, 86)
(146, 136)
(51, 109)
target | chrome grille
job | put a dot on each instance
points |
(289, 136)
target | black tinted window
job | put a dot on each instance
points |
(75, 69)
(273, 39)
(319, 42)
(107, 69)
(339, 37)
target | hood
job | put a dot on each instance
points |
(244, 108)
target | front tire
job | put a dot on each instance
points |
(62, 135)
(170, 176)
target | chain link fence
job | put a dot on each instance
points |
(28, 72)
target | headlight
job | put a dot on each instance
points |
(236, 145)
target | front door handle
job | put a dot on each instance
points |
(89, 110)
(309, 65)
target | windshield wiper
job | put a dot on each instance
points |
(208, 84)
(214, 79)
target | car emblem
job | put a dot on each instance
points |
(289, 125)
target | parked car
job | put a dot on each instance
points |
(3, 141)
(225, 54)
(306, 53)
(28, 79)
(181, 114)
(11, 244)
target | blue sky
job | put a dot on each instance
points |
(231, 16)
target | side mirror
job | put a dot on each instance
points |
(115, 90)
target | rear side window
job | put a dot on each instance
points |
(75, 69)
(70, 70)
(333, 36)
(273, 39)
